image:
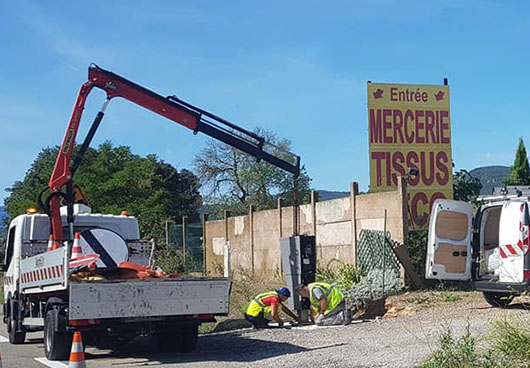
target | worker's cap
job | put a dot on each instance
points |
(284, 291)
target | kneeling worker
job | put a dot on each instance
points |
(266, 305)
(328, 306)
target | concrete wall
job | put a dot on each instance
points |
(254, 238)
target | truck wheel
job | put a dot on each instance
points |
(56, 343)
(182, 340)
(188, 340)
(499, 300)
(15, 337)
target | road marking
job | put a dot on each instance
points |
(3, 339)
(51, 364)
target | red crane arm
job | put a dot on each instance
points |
(171, 108)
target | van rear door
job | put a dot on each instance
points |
(449, 244)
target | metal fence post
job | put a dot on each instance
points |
(384, 254)
(184, 221)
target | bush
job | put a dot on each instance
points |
(512, 340)
(343, 277)
(172, 261)
(454, 353)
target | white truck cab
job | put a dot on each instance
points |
(41, 292)
(489, 248)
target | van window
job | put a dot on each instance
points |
(452, 225)
(10, 245)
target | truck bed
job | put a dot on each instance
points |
(148, 298)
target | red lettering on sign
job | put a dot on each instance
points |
(419, 126)
(397, 164)
(418, 220)
(398, 126)
(412, 161)
(444, 127)
(427, 168)
(409, 116)
(375, 126)
(387, 125)
(378, 156)
(442, 177)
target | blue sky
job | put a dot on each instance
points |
(298, 68)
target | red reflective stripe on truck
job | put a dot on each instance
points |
(501, 252)
(511, 249)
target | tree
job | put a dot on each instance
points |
(234, 180)
(520, 171)
(465, 187)
(114, 179)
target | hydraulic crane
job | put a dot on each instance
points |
(170, 107)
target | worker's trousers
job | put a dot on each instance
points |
(259, 321)
(338, 316)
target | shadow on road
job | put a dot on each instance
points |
(230, 347)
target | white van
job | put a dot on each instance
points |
(491, 248)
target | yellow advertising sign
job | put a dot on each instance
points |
(409, 127)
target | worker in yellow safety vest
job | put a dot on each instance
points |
(328, 306)
(266, 305)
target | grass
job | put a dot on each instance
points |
(454, 353)
(509, 346)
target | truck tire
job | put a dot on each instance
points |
(182, 340)
(188, 339)
(498, 300)
(15, 337)
(56, 343)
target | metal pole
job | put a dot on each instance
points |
(384, 254)
(184, 237)
(204, 219)
(167, 232)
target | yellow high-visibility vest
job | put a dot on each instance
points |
(256, 305)
(332, 295)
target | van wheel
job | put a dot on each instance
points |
(499, 300)
(56, 343)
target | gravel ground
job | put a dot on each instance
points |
(402, 341)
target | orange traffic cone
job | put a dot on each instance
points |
(55, 245)
(76, 248)
(77, 355)
(50, 245)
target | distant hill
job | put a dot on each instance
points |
(490, 176)
(326, 195)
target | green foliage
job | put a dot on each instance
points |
(520, 171)
(454, 353)
(512, 339)
(465, 187)
(114, 179)
(236, 180)
(374, 285)
(449, 297)
(172, 261)
(344, 276)
(417, 248)
(510, 347)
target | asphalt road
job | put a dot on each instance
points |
(395, 342)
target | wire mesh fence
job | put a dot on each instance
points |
(187, 240)
(378, 262)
